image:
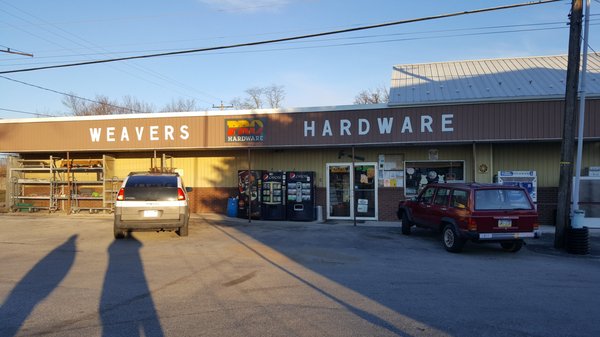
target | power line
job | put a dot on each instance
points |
(16, 52)
(90, 46)
(256, 43)
(71, 95)
(368, 42)
(27, 112)
(470, 29)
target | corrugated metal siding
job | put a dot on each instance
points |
(483, 80)
(543, 158)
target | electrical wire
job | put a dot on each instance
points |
(293, 38)
(354, 43)
(71, 95)
(470, 29)
(134, 66)
(27, 112)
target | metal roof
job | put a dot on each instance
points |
(541, 77)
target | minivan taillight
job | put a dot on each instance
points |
(121, 195)
(180, 194)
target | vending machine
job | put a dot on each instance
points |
(525, 179)
(300, 196)
(273, 195)
(249, 198)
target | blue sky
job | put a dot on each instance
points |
(317, 72)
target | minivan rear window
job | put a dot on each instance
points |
(151, 181)
(501, 199)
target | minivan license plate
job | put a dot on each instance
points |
(504, 223)
(150, 214)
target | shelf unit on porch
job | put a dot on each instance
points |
(36, 184)
(70, 185)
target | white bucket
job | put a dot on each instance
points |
(577, 219)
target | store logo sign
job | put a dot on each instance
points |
(244, 130)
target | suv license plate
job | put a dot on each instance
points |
(504, 223)
(151, 214)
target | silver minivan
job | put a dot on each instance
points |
(150, 201)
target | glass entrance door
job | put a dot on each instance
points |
(365, 191)
(352, 191)
(339, 191)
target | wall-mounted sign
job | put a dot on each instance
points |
(248, 130)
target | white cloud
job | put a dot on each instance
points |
(245, 5)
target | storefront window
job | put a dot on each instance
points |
(420, 173)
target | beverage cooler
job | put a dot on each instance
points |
(300, 196)
(273, 195)
(249, 198)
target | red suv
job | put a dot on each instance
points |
(475, 212)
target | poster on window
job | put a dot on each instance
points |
(418, 174)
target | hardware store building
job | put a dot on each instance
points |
(442, 124)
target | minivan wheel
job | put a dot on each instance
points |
(451, 240)
(119, 234)
(405, 224)
(512, 246)
(183, 230)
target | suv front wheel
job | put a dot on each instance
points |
(405, 224)
(451, 239)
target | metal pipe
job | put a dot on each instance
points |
(581, 108)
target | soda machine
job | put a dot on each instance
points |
(249, 198)
(300, 196)
(273, 195)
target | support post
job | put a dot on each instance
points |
(569, 118)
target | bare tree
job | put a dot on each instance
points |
(241, 104)
(133, 105)
(275, 94)
(102, 105)
(181, 104)
(256, 97)
(373, 96)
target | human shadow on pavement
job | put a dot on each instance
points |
(126, 305)
(35, 286)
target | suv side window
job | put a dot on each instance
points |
(427, 196)
(441, 198)
(459, 199)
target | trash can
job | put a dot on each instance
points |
(577, 220)
(232, 207)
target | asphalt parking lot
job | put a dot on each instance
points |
(66, 276)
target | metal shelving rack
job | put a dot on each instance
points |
(36, 184)
(93, 182)
(71, 185)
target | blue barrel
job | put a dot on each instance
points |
(232, 207)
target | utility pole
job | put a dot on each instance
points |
(567, 148)
(16, 52)
(222, 107)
